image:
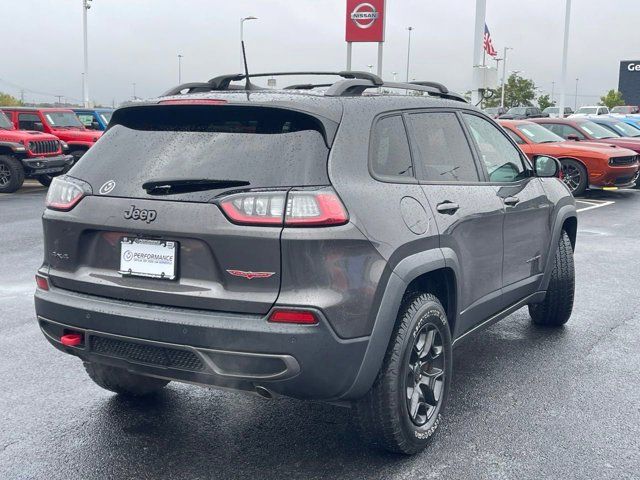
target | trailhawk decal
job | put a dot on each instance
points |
(250, 275)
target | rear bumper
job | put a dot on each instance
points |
(45, 165)
(220, 349)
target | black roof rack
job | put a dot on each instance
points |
(353, 83)
(357, 87)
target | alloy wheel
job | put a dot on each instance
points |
(571, 176)
(425, 375)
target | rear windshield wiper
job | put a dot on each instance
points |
(186, 185)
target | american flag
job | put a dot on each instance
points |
(488, 43)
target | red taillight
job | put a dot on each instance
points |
(71, 339)
(42, 282)
(65, 193)
(321, 208)
(301, 317)
(304, 208)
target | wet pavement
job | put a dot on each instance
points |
(526, 402)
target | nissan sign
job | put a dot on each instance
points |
(365, 21)
(629, 82)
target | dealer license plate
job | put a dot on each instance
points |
(148, 258)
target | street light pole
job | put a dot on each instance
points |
(395, 76)
(370, 68)
(565, 51)
(504, 74)
(410, 29)
(179, 69)
(553, 89)
(85, 77)
(134, 90)
(242, 20)
(576, 99)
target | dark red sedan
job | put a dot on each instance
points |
(584, 129)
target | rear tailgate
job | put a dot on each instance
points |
(218, 265)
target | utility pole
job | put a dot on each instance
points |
(59, 97)
(179, 69)
(565, 52)
(21, 96)
(370, 68)
(576, 100)
(553, 89)
(85, 78)
(504, 74)
(395, 76)
(134, 90)
(410, 29)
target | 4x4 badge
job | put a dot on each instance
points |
(107, 187)
(250, 275)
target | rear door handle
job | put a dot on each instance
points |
(511, 201)
(448, 207)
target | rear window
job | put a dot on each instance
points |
(267, 147)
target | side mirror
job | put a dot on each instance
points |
(546, 167)
(574, 137)
(38, 126)
(95, 126)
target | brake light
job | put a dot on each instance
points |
(65, 192)
(301, 317)
(42, 282)
(304, 208)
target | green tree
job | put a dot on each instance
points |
(9, 100)
(613, 98)
(518, 92)
(545, 101)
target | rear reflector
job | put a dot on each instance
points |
(298, 208)
(71, 339)
(42, 282)
(300, 317)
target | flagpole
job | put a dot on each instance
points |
(563, 83)
(478, 42)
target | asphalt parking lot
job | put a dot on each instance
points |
(526, 402)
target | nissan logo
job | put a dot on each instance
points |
(364, 15)
(633, 67)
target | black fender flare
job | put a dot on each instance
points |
(401, 276)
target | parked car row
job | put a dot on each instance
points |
(594, 153)
(41, 143)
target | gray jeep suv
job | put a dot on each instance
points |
(329, 242)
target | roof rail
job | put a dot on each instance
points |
(353, 83)
(222, 82)
(357, 87)
(426, 83)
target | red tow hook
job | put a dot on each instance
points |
(71, 339)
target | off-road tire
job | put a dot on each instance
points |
(556, 308)
(12, 168)
(583, 184)
(383, 416)
(122, 382)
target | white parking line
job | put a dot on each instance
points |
(593, 204)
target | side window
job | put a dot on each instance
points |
(514, 136)
(390, 155)
(85, 118)
(443, 149)
(563, 130)
(502, 159)
(27, 121)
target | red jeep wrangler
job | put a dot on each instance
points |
(61, 122)
(29, 154)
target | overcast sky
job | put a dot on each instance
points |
(139, 40)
